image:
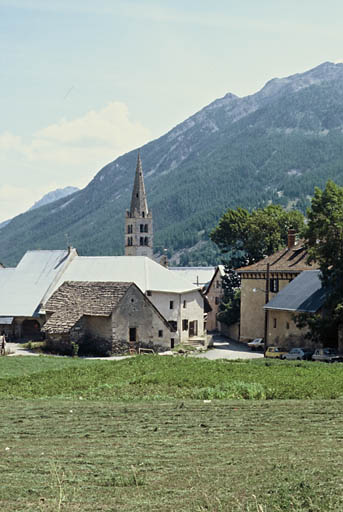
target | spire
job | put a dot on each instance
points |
(138, 199)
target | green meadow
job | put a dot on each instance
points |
(154, 433)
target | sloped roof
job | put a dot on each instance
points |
(303, 294)
(287, 260)
(23, 287)
(197, 276)
(74, 299)
(144, 272)
(92, 298)
(219, 269)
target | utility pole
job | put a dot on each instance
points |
(266, 310)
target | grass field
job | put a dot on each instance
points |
(75, 435)
(167, 378)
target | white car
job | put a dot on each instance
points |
(298, 354)
(256, 344)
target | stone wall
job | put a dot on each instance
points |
(136, 312)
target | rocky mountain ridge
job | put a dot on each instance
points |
(272, 146)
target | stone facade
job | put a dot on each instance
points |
(138, 220)
(106, 317)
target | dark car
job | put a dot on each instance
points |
(329, 355)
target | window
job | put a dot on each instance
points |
(143, 215)
(274, 285)
(146, 228)
(171, 304)
(133, 333)
(216, 300)
(173, 325)
(172, 342)
(148, 292)
(141, 241)
(129, 241)
(184, 304)
(141, 228)
(185, 325)
(129, 228)
(160, 333)
(146, 241)
(274, 323)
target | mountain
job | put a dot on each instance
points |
(275, 145)
(46, 199)
(54, 196)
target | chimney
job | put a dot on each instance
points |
(291, 238)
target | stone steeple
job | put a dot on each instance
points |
(138, 220)
(138, 199)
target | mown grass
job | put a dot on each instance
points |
(168, 378)
(239, 456)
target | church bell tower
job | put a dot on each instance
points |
(138, 220)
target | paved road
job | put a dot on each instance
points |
(223, 348)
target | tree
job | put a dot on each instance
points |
(229, 309)
(251, 236)
(248, 237)
(324, 242)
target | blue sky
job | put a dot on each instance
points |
(85, 81)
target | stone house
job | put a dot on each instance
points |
(178, 301)
(261, 281)
(110, 317)
(304, 294)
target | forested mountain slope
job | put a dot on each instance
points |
(275, 145)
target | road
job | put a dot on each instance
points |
(223, 348)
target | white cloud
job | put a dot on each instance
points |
(68, 152)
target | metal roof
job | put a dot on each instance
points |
(144, 272)
(303, 294)
(197, 276)
(23, 288)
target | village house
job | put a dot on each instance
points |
(108, 317)
(179, 302)
(214, 294)
(304, 294)
(262, 281)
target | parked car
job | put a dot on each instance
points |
(299, 353)
(256, 344)
(328, 355)
(276, 352)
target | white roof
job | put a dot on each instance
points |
(197, 276)
(22, 288)
(144, 272)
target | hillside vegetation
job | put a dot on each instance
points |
(273, 146)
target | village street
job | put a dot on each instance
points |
(223, 348)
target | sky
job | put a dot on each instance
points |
(85, 81)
